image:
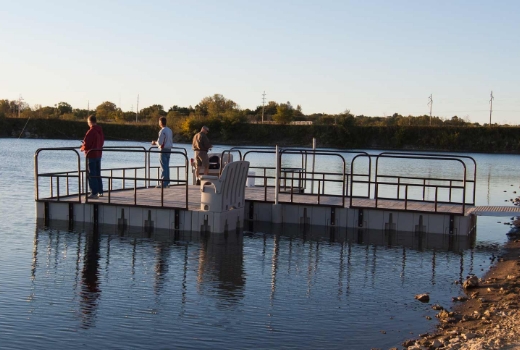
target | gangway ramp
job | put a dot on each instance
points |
(494, 211)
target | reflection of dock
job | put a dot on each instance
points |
(357, 192)
(190, 264)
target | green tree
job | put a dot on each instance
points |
(152, 113)
(284, 113)
(183, 111)
(106, 111)
(4, 107)
(271, 108)
(129, 116)
(80, 113)
(215, 106)
(64, 107)
(46, 112)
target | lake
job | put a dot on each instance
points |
(271, 287)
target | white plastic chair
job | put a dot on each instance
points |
(228, 191)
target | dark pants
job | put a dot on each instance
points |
(94, 179)
(165, 167)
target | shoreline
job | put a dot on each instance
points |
(489, 318)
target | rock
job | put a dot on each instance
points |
(471, 282)
(444, 316)
(423, 297)
(468, 336)
(408, 343)
(455, 340)
(437, 344)
(460, 298)
(437, 307)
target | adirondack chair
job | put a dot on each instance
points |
(227, 192)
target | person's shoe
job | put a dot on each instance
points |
(93, 196)
(198, 182)
(160, 186)
(100, 195)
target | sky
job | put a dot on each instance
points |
(371, 57)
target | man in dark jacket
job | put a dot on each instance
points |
(92, 145)
(201, 146)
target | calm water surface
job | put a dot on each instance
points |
(268, 288)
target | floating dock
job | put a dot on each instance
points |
(347, 190)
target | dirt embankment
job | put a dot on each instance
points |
(487, 317)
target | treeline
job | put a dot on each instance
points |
(232, 125)
(440, 138)
(218, 108)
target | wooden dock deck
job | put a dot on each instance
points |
(175, 197)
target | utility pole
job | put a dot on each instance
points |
(263, 103)
(20, 99)
(88, 108)
(430, 103)
(490, 107)
(137, 109)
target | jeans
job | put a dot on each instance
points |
(94, 179)
(165, 167)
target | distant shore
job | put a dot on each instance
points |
(411, 138)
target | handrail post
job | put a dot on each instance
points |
(436, 194)
(36, 177)
(406, 197)
(313, 163)
(277, 176)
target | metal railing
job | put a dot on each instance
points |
(436, 190)
(117, 178)
(361, 183)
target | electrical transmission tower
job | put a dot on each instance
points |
(491, 107)
(137, 109)
(263, 104)
(20, 99)
(430, 103)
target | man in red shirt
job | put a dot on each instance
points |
(92, 145)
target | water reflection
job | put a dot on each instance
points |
(90, 289)
(275, 276)
(375, 245)
(162, 253)
(419, 241)
(221, 270)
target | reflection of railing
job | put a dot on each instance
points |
(120, 178)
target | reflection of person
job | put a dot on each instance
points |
(90, 291)
(93, 142)
(165, 144)
(201, 146)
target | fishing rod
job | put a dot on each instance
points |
(24, 127)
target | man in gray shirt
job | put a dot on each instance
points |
(165, 144)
